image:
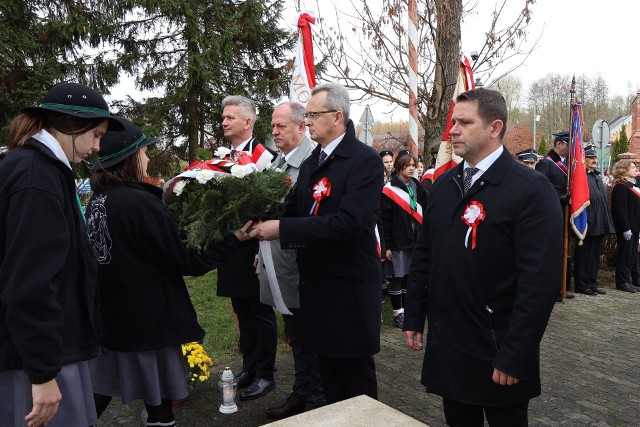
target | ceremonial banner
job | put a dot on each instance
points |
(446, 159)
(578, 186)
(304, 74)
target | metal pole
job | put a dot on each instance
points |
(534, 126)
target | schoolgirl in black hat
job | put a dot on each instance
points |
(48, 292)
(145, 306)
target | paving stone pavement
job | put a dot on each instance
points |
(590, 364)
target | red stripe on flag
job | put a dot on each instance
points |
(445, 160)
(305, 29)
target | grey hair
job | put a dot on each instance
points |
(297, 111)
(337, 97)
(247, 106)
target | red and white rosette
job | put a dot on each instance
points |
(321, 190)
(474, 214)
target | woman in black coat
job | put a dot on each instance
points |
(625, 210)
(401, 204)
(49, 326)
(145, 306)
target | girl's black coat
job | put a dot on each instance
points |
(48, 304)
(398, 233)
(142, 258)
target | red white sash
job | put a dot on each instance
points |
(559, 164)
(401, 198)
(635, 190)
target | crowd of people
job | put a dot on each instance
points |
(89, 313)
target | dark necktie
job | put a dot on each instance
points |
(233, 153)
(468, 175)
(282, 162)
(322, 157)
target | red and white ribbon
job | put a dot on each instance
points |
(474, 214)
(321, 190)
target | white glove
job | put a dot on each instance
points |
(627, 235)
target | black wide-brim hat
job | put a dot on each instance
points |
(76, 100)
(115, 146)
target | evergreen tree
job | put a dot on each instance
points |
(43, 42)
(621, 145)
(196, 52)
(542, 148)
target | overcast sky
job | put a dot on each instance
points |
(575, 37)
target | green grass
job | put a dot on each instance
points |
(216, 318)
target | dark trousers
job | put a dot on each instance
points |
(465, 415)
(626, 268)
(346, 378)
(586, 262)
(307, 385)
(258, 336)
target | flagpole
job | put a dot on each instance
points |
(565, 252)
(413, 77)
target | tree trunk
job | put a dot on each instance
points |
(193, 99)
(447, 48)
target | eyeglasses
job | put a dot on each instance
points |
(312, 115)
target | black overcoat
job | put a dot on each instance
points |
(554, 174)
(486, 307)
(400, 230)
(599, 220)
(145, 304)
(625, 207)
(340, 272)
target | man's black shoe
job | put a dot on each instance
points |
(569, 295)
(601, 291)
(258, 388)
(292, 406)
(587, 291)
(625, 287)
(244, 379)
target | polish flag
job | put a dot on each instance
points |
(260, 156)
(446, 158)
(304, 74)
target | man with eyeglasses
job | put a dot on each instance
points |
(330, 219)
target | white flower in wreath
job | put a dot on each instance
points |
(179, 187)
(204, 176)
(222, 152)
(240, 171)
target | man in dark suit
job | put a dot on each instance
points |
(237, 276)
(484, 285)
(288, 130)
(331, 219)
(586, 257)
(554, 167)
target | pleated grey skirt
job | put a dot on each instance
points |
(401, 262)
(148, 375)
(76, 407)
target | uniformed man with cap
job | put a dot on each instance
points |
(586, 258)
(554, 167)
(528, 157)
